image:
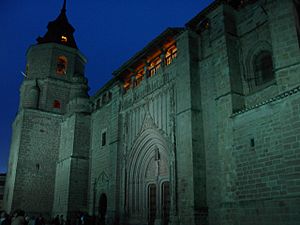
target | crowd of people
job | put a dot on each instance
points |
(19, 217)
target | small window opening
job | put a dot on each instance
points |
(157, 155)
(252, 143)
(37, 166)
(61, 66)
(103, 139)
(170, 55)
(64, 39)
(56, 104)
(154, 66)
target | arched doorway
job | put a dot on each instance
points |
(148, 180)
(102, 209)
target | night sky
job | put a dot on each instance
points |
(107, 32)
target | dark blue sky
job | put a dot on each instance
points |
(107, 32)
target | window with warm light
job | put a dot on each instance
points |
(170, 55)
(139, 76)
(61, 65)
(154, 66)
(64, 39)
(126, 86)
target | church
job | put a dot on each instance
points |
(201, 126)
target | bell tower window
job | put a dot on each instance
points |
(64, 39)
(61, 65)
(56, 104)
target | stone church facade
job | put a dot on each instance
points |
(199, 127)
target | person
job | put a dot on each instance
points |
(56, 220)
(31, 221)
(4, 220)
(18, 217)
(40, 220)
(61, 220)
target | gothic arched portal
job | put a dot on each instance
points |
(148, 178)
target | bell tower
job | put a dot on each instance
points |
(54, 88)
(55, 69)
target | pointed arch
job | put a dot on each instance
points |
(259, 65)
(150, 151)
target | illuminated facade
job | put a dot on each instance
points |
(199, 127)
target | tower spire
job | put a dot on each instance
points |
(60, 30)
(64, 6)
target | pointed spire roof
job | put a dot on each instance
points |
(59, 31)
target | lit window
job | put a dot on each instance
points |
(61, 66)
(154, 66)
(64, 39)
(56, 104)
(139, 76)
(126, 86)
(170, 55)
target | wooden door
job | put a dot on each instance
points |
(151, 204)
(165, 202)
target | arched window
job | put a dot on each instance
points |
(56, 104)
(61, 65)
(263, 68)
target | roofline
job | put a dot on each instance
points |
(172, 31)
(212, 6)
(105, 87)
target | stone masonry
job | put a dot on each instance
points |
(199, 127)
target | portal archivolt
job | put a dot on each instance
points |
(148, 178)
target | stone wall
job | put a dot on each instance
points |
(101, 165)
(72, 169)
(35, 157)
(251, 185)
(266, 155)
